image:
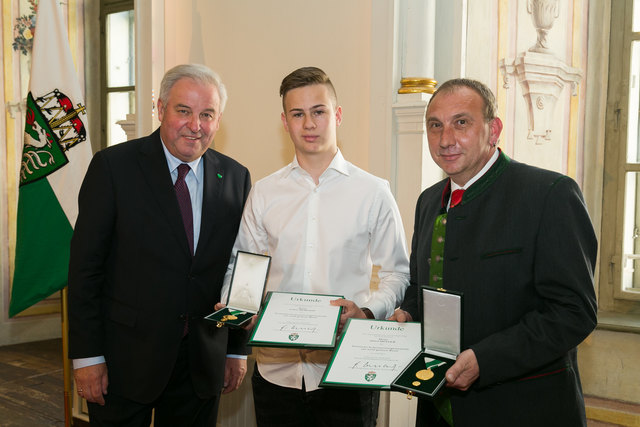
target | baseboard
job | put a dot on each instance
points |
(613, 412)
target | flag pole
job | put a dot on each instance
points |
(66, 365)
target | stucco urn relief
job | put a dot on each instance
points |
(541, 74)
(543, 13)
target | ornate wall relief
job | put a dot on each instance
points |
(541, 74)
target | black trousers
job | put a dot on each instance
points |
(278, 406)
(428, 415)
(177, 406)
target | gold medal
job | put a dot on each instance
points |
(424, 374)
(416, 383)
(224, 318)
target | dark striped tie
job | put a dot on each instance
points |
(184, 201)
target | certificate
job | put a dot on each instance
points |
(372, 353)
(297, 320)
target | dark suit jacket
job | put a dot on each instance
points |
(132, 278)
(522, 250)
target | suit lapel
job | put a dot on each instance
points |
(153, 165)
(211, 193)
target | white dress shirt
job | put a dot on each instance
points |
(324, 239)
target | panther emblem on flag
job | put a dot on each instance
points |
(52, 127)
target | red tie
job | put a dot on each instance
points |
(184, 201)
(456, 198)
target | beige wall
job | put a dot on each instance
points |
(253, 45)
(608, 364)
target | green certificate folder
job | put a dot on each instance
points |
(297, 320)
(372, 353)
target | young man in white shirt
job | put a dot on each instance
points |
(325, 223)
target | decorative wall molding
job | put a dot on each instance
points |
(417, 85)
(542, 78)
(543, 13)
(541, 74)
(128, 126)
(17, 107)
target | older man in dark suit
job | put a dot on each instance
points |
(517, 241)
(157, 220)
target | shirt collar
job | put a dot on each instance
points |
(338, 163)
(173, 162)
(479, 175)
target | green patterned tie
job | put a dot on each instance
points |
(442, 402)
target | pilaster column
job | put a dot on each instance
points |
(418, 46)
(414, 169)
(150, 66)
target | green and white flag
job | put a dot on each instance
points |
(55, 157)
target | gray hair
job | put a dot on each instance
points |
(490, 106)
(198, 72)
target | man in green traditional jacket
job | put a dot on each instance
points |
(520, 247)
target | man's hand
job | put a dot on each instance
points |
(401, 316)
(251, 323)
(92, 382)
(349, 309)
(464, 372)
(234, 371)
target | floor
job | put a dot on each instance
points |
(31, 385)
